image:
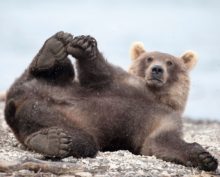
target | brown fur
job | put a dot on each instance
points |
(173, 94)
(105, 108)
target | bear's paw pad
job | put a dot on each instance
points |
(53, 51)
(202, 159)
(207, 162)
(52, 142)
(86, 43)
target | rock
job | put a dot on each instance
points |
(84, 174)
(165, 174)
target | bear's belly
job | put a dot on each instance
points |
(117, 121)
(114, 121)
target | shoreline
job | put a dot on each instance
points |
(118, 163)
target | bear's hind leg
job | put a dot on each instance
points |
(40, 127)
(51, 62)
(59, 143)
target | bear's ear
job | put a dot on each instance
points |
(136, 49)
(190, 59)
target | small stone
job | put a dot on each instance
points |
(121, 153)
(165, 174)
(83, 174)
(99, 175)
(25, 171)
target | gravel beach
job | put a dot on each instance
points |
(16, 161)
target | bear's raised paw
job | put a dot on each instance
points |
(53, 50)
(83, 47)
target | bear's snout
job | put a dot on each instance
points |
(157, 72)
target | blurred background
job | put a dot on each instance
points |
(170, 26)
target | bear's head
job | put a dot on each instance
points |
(165, 75)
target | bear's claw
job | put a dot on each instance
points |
(207, 162)
(65, 38)
(83, 47)
(202, 159)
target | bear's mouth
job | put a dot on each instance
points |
(154, 82)
(155, 79)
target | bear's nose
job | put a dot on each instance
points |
(157, 70)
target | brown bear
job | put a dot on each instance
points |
(161, 71)
(53, 112)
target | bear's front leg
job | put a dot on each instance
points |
(170, 147)
(51, 62)
(93, 70)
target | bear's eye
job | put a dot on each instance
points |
(169, 63)
(150, 59)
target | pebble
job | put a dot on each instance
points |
(83, 174)
(165, 174)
